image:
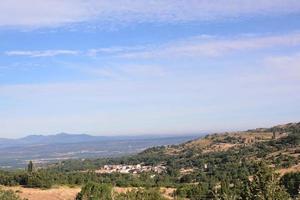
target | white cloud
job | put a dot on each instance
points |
(41, 13)
(127, 71)
(287, 66)
(199, 46)
(196, 99)
(114, 50)
(191, 47)
(45, 13)
(46, 53)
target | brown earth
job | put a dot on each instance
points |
(217, 142)
(61, 193)
(295, 168)
(67, 193)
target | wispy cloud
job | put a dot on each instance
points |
(287, 66)
(46, 53)
(31, 13)
(127, 71)
(114, 50)
(198, 46)
(208, 46)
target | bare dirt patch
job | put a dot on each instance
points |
(295, 168)
(219, 147)
(67, 193)
(61, 193)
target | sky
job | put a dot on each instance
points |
(130, 67)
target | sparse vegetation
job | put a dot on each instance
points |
(243, 168)
(8, 195)
(95, 191)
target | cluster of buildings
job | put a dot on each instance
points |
(130, 169)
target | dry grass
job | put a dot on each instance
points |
(184, 171)
(167, 192)
(61, 193)
(200, 143)
(218, 142)
(219, 147)
(295, 168)
(213, 143)
(67, 193)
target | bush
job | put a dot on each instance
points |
(95, 191)
(291, 182)
(141, 194)
(8, 195)
(39, 180)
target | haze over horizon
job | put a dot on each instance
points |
(147, 67)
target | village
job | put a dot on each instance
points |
(130, 169)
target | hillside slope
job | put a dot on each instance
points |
(278, 146)
(217, 164)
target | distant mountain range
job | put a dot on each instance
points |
(66, 138)
(61, 138)
(43, 149)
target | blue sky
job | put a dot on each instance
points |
(147, 67)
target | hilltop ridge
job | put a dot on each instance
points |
(278, 146)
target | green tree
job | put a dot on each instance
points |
(226, 192)
(40, 179)
(95, 191)
(141, 194)
(291, 182)
(30, 167)
(194, 192)
(264, 186)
